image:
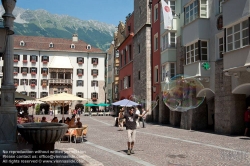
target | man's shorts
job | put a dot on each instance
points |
(131, 135)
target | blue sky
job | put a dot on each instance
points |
(108, 11)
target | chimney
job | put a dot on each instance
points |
(75, 38)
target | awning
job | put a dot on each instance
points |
(206, 92)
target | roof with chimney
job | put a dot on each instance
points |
(52, 44)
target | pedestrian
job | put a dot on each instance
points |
(78, 123)
(43, 111)
(130, 119)
(143, 118)
(54, 120)
(137, 111)
(247, 120)
(121, 119)
(79, 111)
(43, 119)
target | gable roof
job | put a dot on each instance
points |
(60, 44)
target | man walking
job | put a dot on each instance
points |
(130, 119)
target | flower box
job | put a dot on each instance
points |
(45, 62)
(44, 74)
(15, 60)
(24, 73)
(44, 85)
(33, 73)
(15, 73)
(79, 74)
(80, 63)
(25, 61)
(16, 84)
(94, 75)
(95, 63)
(94, 99)
(32, 85)
(33, 61)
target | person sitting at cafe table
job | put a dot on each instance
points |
(72, 123)
(55, 120)
(78, 123)
(43, 119)
(62, 120)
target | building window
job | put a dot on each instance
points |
(16, 70)
(192, 53)
(32, 94)
(79, 94)
(24, 81)
(44, 94)
(94, 95)
(51, 45)
(125, 82)
(22, 43)
(156, 42)
(94, 72)
(16, 82)
(116, 70)
(44, 71)
(24, 70)
(172, 6)
(44, 83)
(72, 46)
(33, 81)
(16, 57)
(139, 75)
(168, 70)
(94, 83)
(129, 81)
(237, 36)
(220, 5)
(192, 10)
(33, 70)
(45, 59)
(79, 83)
(168, 41)
(156, 12)
(88, 47)
(25, 58)
(24, 93)
(80, 60)
(125, 56)
(33, 58)
(94, 61)
(117, 54)
(221, 47)
(156, 74)
(79, 72)
(130, 52)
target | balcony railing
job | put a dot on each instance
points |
(62, 81)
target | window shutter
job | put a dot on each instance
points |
(97, 72)
(97, 95)
(48, 58)
(225, 39)
(18, 57)
(199, 49)
(36, 58)
(30, 57)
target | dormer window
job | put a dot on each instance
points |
(88, 47)
(72, 46)
(22, 43)
(51, 45)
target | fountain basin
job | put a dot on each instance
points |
(42, 135)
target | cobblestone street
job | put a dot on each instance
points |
(157, 145)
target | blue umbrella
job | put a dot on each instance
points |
(125, 103)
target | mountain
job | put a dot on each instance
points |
(42, 23)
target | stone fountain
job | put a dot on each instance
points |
(42, 135)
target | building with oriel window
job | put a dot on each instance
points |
(45, 66)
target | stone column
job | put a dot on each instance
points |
(8, 113)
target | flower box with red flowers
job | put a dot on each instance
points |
(44, 85)
(80, 63)
(15, 73)
(32, 85)
(79, 74)
(95, 63)
(15, 60)
(25, 61)
(45, 62)
(33, 73)
(16, 84)
(44, 74)
(33, 61)
(94, 99)
(94, 75)
(24, 73)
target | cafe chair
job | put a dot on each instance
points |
(67, 135)
(78, 134)
(85, 130)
